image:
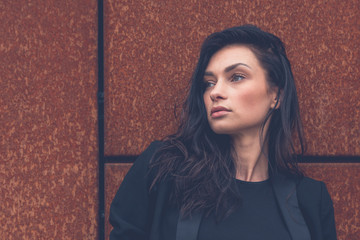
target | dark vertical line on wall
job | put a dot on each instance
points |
(100, 98)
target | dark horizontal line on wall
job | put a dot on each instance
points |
(120, 159)
(304, 159)
(329, 159)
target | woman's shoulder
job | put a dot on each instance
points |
(155, 144)
(312, 191)
(309, 191)
(140, 166)
(310, 183)
(145, 157)
(317, 207)
(152, 148)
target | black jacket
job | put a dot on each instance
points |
(137, 214)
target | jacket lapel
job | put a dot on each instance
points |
(188, 228)
(285, 192)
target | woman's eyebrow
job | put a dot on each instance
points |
(231, 67)
(228, 69)
(209, 74)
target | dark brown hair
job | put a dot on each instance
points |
(198, 161)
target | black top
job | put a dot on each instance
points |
(257, 218)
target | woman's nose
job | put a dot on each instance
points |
(218, 91)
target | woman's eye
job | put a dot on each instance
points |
(209, 84)
(237, 77)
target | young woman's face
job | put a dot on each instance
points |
(237, 95)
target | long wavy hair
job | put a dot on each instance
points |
(198, 161)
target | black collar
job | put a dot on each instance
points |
(285, 192)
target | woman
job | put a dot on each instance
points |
(230, 170)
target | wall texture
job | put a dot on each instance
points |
(48, 164)
(150, 51)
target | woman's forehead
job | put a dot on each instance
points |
(230, 55)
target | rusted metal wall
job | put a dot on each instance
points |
(48, 164)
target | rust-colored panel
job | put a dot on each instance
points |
(343, 182)
(151, 49)
(48, 165)
(114, 175)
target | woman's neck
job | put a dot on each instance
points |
(251, 161)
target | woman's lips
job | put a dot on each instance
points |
(217, 112)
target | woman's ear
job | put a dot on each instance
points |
(276, 101)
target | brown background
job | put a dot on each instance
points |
(48, 165)
(151, 49)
